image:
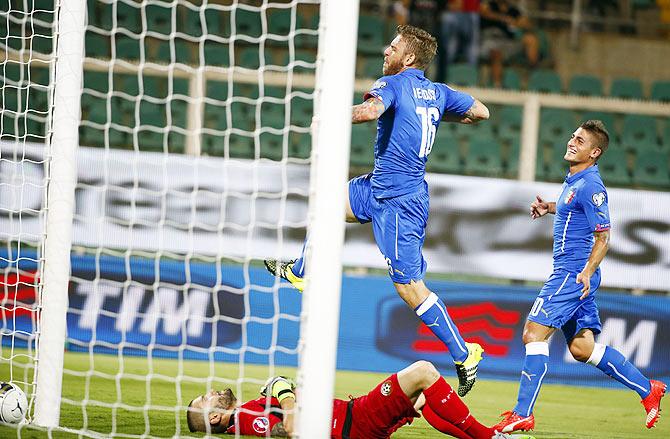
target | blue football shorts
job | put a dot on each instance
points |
(558, 304)
(398, 225)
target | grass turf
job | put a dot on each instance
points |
(108, 395)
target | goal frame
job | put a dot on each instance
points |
(331, 135)
(61, 172)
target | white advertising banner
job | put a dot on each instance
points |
(177, 205)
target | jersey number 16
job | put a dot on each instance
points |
(429, 115)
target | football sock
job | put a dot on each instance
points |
(443, 426)
(534, 370)
(434, 314)
(445, 403)
(298, 267)
(614, 364)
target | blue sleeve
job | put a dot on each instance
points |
(456, 102)
(383, 89)
(593, 199)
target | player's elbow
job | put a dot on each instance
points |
(483, 112)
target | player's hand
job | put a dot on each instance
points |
(585, 280)
(538, 208)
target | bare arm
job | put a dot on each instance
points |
(598, 252)
(477, 112)
(285, 428)
(369, 110)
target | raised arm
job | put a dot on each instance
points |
(475, 113)
(598, 252)
(369, 110)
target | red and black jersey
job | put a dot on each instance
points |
(254, 418)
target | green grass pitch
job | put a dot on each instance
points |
(563, 412)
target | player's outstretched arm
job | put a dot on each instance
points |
(475, 113)
(369, 110)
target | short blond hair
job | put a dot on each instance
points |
(419, 42)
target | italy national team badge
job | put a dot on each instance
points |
(261, 424)
(570, 196)
(386, 388)
(598, 199)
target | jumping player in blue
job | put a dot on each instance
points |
(567, 300)
(394, 197)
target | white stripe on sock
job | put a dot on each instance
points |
(626, 379)
(425, 306)
(539, 384)
(451, 329)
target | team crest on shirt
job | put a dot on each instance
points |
(598, 199)
(387, 388)
(570, 196)
(261, 424)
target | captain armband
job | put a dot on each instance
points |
(281, 388)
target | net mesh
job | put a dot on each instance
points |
(193, 167)
(26, 63)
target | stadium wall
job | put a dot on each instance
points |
(140, 308)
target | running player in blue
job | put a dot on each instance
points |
(567, 300)
(394, 197)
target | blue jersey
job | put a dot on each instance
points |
(406, 131)
(580, 210)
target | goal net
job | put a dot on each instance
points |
(26, 91)
(194, 164)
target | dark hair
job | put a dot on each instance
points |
(419, 42)
(602, 137)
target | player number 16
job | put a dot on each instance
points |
(429, 115)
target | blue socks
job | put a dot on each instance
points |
(614, 364)
(434, 314)
(534, 370)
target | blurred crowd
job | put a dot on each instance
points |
(495, 32)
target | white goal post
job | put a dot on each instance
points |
(332, 128)
(62, 177)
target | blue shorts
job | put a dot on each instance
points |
(398, 224)
(558, 304)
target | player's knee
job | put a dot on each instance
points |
(530, 336)
(580, 352)
(427, 374)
